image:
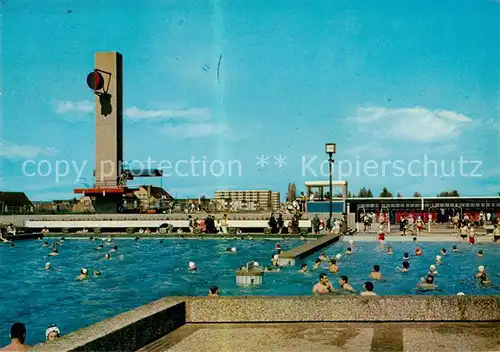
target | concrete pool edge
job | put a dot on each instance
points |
(124, 332)
(136, 328)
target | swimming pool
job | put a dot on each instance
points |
(151, 270)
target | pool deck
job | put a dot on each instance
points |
(426, 237)
(291, 337)
(302, 251)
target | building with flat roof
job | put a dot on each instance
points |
(262, 199)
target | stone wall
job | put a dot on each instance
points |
(134, 329)
(343, 309)
(128, 331)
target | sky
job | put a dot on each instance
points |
(408, 91)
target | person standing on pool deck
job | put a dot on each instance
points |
(420, 226)
(472, 236)
(17, 338)
(323, 286)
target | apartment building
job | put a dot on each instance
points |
(253, 199)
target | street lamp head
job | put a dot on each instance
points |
(330, 148)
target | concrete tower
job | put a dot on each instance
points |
(109, 127)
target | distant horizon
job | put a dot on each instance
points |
(245, 95)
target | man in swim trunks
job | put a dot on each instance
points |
(303, 268)
(323, 287)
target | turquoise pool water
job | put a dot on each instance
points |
(151, 270)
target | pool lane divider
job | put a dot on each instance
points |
(290, 257)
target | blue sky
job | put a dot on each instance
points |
(385, 80)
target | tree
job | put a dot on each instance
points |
(453, 193)
(399, 195)
(363, 193)
(416, 194)
(385, 193)
(291, 194)
(349, 195)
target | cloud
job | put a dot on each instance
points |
(368, 149)
(17, 151)
(416, 124)
(66, 106)
(144, 114)
(195, 130)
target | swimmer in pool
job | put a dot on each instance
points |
(115, 248)
(275, 260)
(271, 269)
(323, 256)
(317, 264)
(480, 253)
(48, 266)
(405, 268)
(443, 251)
(97, 273)
(344, 284)
(438, 259)
(348, 251)
(432, 270)
(333, 267)
(455, 249)
(52, 333)
(213, 291)
(418, 251)
(323, 286)
(101, 246)
(427, 284)
(107, 256)
(376, 274)
(231, 250)
(192, 266)
(368, 286)
(45, 244)
(389, 250)
(406, 256)
(83, 274)
(303, 268)
(480, 271)
(277, 246)
(54, 253)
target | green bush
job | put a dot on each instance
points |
(65, 230)
(130, 230)
(97, 231)
(267, 231)
(232, 231)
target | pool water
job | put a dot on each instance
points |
(150, 270)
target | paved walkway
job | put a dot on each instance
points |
(427, 237)
(360, 337)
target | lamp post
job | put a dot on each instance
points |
(330, 149)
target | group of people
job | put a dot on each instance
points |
(18, 337)
(209, 224)
(426, 283)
